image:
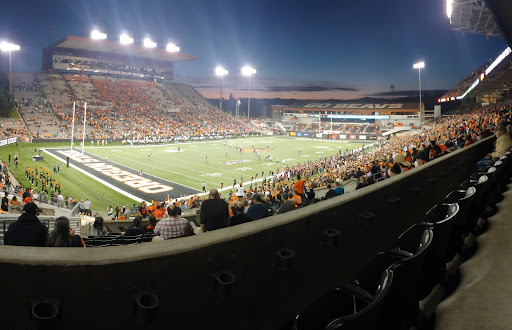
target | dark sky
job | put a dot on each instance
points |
(301, 49)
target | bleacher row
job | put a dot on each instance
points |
(422, 268)
(117, 239)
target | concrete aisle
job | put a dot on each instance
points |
(483, 299)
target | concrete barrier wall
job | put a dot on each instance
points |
(96, 286)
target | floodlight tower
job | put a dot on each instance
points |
(8, 47)
(248, 71)
(419, 66)
(219, 71)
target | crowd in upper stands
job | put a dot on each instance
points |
(119, 109)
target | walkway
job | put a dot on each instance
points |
(484, 296)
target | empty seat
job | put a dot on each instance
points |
(348, 307)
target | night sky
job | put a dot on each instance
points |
(301, 49)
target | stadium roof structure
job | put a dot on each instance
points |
(502, 12)
(343, 106)
(106, 46)
(472, 16)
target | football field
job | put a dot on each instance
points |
(219, 163)
(181, 168)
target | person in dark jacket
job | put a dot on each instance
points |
(240, 216)
(27, 230)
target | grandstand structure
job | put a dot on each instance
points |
(472, 16)
(129, 91)
(491, 81)
(350, 121)
(87, 55)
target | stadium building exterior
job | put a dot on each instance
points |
(329, 114)
(85, 55)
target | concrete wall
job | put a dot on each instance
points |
(96, 286)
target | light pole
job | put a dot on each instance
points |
(419, 66)
(219, 71)
(8, 47)
(248, 71)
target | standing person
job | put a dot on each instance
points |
(240, 192)
(87, 207)
(110, 211)
(63, 235)
(206, 159)
(5, 202)
(27, 230)
(214, 212)
(141, 172)
(98, 230)
(204, 187)
(106, 160)
(149, 156)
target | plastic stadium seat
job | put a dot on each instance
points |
(464, 223)
(441, 220)
(349, 307)
(127, 240)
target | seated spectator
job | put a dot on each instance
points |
(28, 199)
(14, 201)
(297, 199)
(27, 230)
(469, 140)
(98, 230)
(258, 209)
(135, 230)
(173, 226)
(310, 194)
(152, 223)
(339, 190)
(158, 213)
(330, 193)
(63, 235)
(240, 216)
(288, 204)
(503, 144)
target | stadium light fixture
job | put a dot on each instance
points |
(419, 66)
(449, 8)
(172, 48)
(125, 39)
(148, 43)
(9, 47)
(97, 35)
(220, 71)
(248, 71)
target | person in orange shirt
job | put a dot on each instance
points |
(28, 199)
(158, 213)
(297, 199)
(299, 185)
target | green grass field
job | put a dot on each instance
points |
(187, 167)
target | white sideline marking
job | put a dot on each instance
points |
(127, 194)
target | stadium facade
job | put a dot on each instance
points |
(85, 55)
